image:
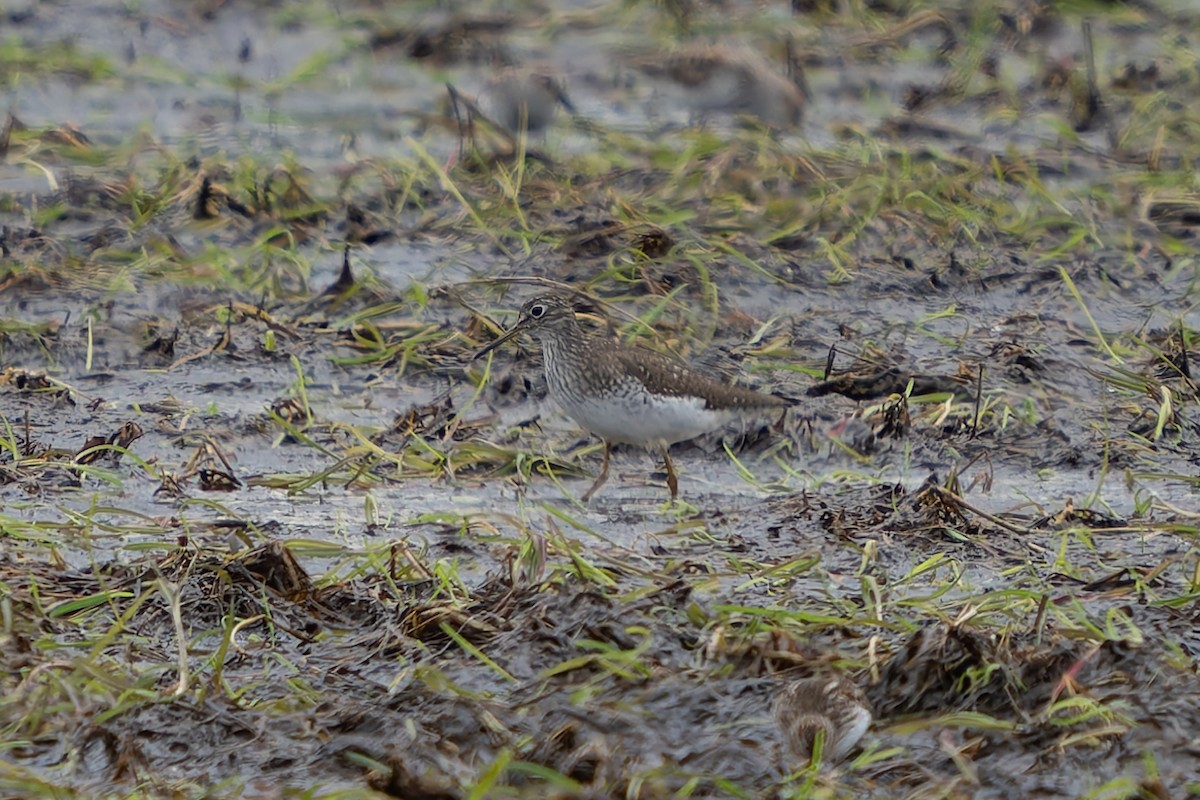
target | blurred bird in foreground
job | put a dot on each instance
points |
(832, 709)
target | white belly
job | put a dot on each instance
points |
(644, 419)
(845, 737)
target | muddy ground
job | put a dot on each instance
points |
(268, 531)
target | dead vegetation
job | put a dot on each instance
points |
(267, 531)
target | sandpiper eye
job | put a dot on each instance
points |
(538, 311)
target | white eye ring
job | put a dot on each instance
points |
(538, 311)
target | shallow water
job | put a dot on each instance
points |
(400, 602)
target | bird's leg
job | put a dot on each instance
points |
(672, 480)
(603, 476)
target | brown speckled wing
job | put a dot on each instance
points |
(665, 376)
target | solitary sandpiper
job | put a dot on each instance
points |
(627, 394)
(524, 101)
(833, 709)
(722, 79)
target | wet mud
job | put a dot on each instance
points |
(268, 530)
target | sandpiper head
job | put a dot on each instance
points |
(543, 315)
